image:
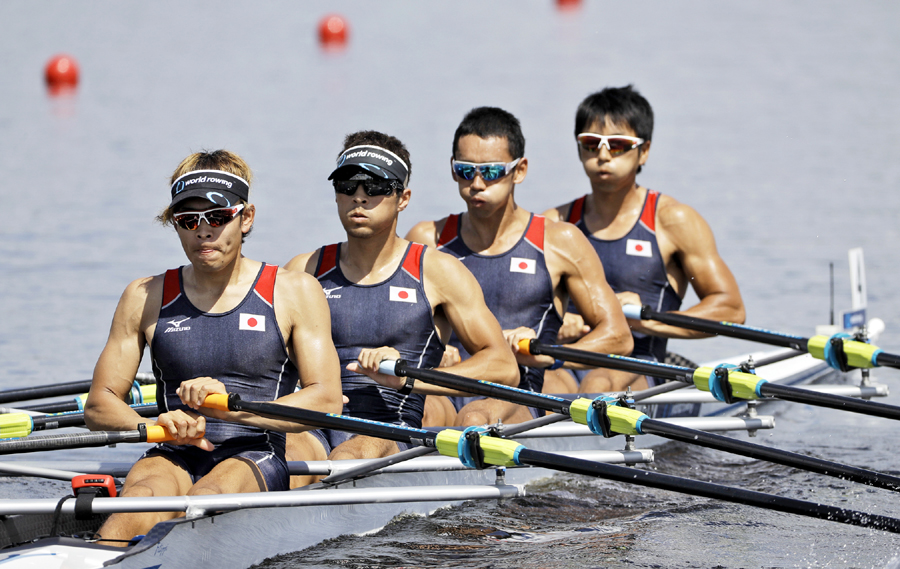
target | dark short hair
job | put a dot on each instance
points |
(488, 122)
(375, 138)
(618, 105)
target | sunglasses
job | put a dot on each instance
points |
(616, 144)
(489, 171)
(371, 187)
(218, 217)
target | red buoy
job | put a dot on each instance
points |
(61, 74)
(333, 31)
(568, 4)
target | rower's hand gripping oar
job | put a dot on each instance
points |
(608, 416)
(840, 350)
(477, 450)
(726, 382)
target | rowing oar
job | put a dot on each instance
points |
(476, 450)
(840, 351)
(726, 382)
(143, 434)
(60, 389)
(137, 395)
(14, 425)
(604, 416)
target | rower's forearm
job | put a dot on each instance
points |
(110, 414)
(498, 366)
(618, 342)
(718, 308)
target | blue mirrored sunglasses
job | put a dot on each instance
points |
(489, 171)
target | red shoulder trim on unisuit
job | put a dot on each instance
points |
(535, 232)
(412, 264)
(576, 210)
(327, 259)
(171, 286)
(648, 215)
(450, 230)
(265, 285)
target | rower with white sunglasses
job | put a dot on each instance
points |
(652, 247)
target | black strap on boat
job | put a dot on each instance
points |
(84, 502)
(473, 441)
(54, 528)
(601, 418)
(837, 347)
(724, 386)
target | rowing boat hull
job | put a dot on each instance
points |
(210, 540)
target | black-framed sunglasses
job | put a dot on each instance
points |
(371, 187)
(217, 217)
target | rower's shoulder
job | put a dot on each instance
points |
(303, 263)
(672, 214)
(558, 213)
(295, 283)
(427, 232)
(140, 290)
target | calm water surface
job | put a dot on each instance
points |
(778, 122)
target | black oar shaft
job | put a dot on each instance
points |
(708, 490)
(889, 360)
(73, 388)
(841, 403)
(330, 421)
(483, 388)
(67, 441)
(54, 407)
(726, 329)
(786, 458)
(76, 419)
(622, 363)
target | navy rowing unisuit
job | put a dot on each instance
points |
(393, 313)
(243, 348)
(634, 263)
(517, 289)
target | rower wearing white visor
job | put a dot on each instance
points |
(393, 299)
(221, 324)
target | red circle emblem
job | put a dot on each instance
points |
(403, 294)
(252, 322)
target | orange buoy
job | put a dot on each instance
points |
(333, 31)
(61, 72)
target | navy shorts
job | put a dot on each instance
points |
(268, 458)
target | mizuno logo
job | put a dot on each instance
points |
(328, 292)
(176, 325)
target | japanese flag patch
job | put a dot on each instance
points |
(252, 322)
(638, 248)
(520, 265)
(400, 294)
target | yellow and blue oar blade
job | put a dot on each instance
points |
(606, 418)
(473, 448)
(15, 425)
(745, 386)
(840, 351)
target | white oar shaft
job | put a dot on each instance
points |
(198, 505)
(38, 472)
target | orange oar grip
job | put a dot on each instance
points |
(157, 434)
(525, 346)
(217, 401)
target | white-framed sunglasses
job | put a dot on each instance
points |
(489, 171)
(616, 144)
(216, 217)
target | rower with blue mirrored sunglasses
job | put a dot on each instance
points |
(370, 185)
(489, 171)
